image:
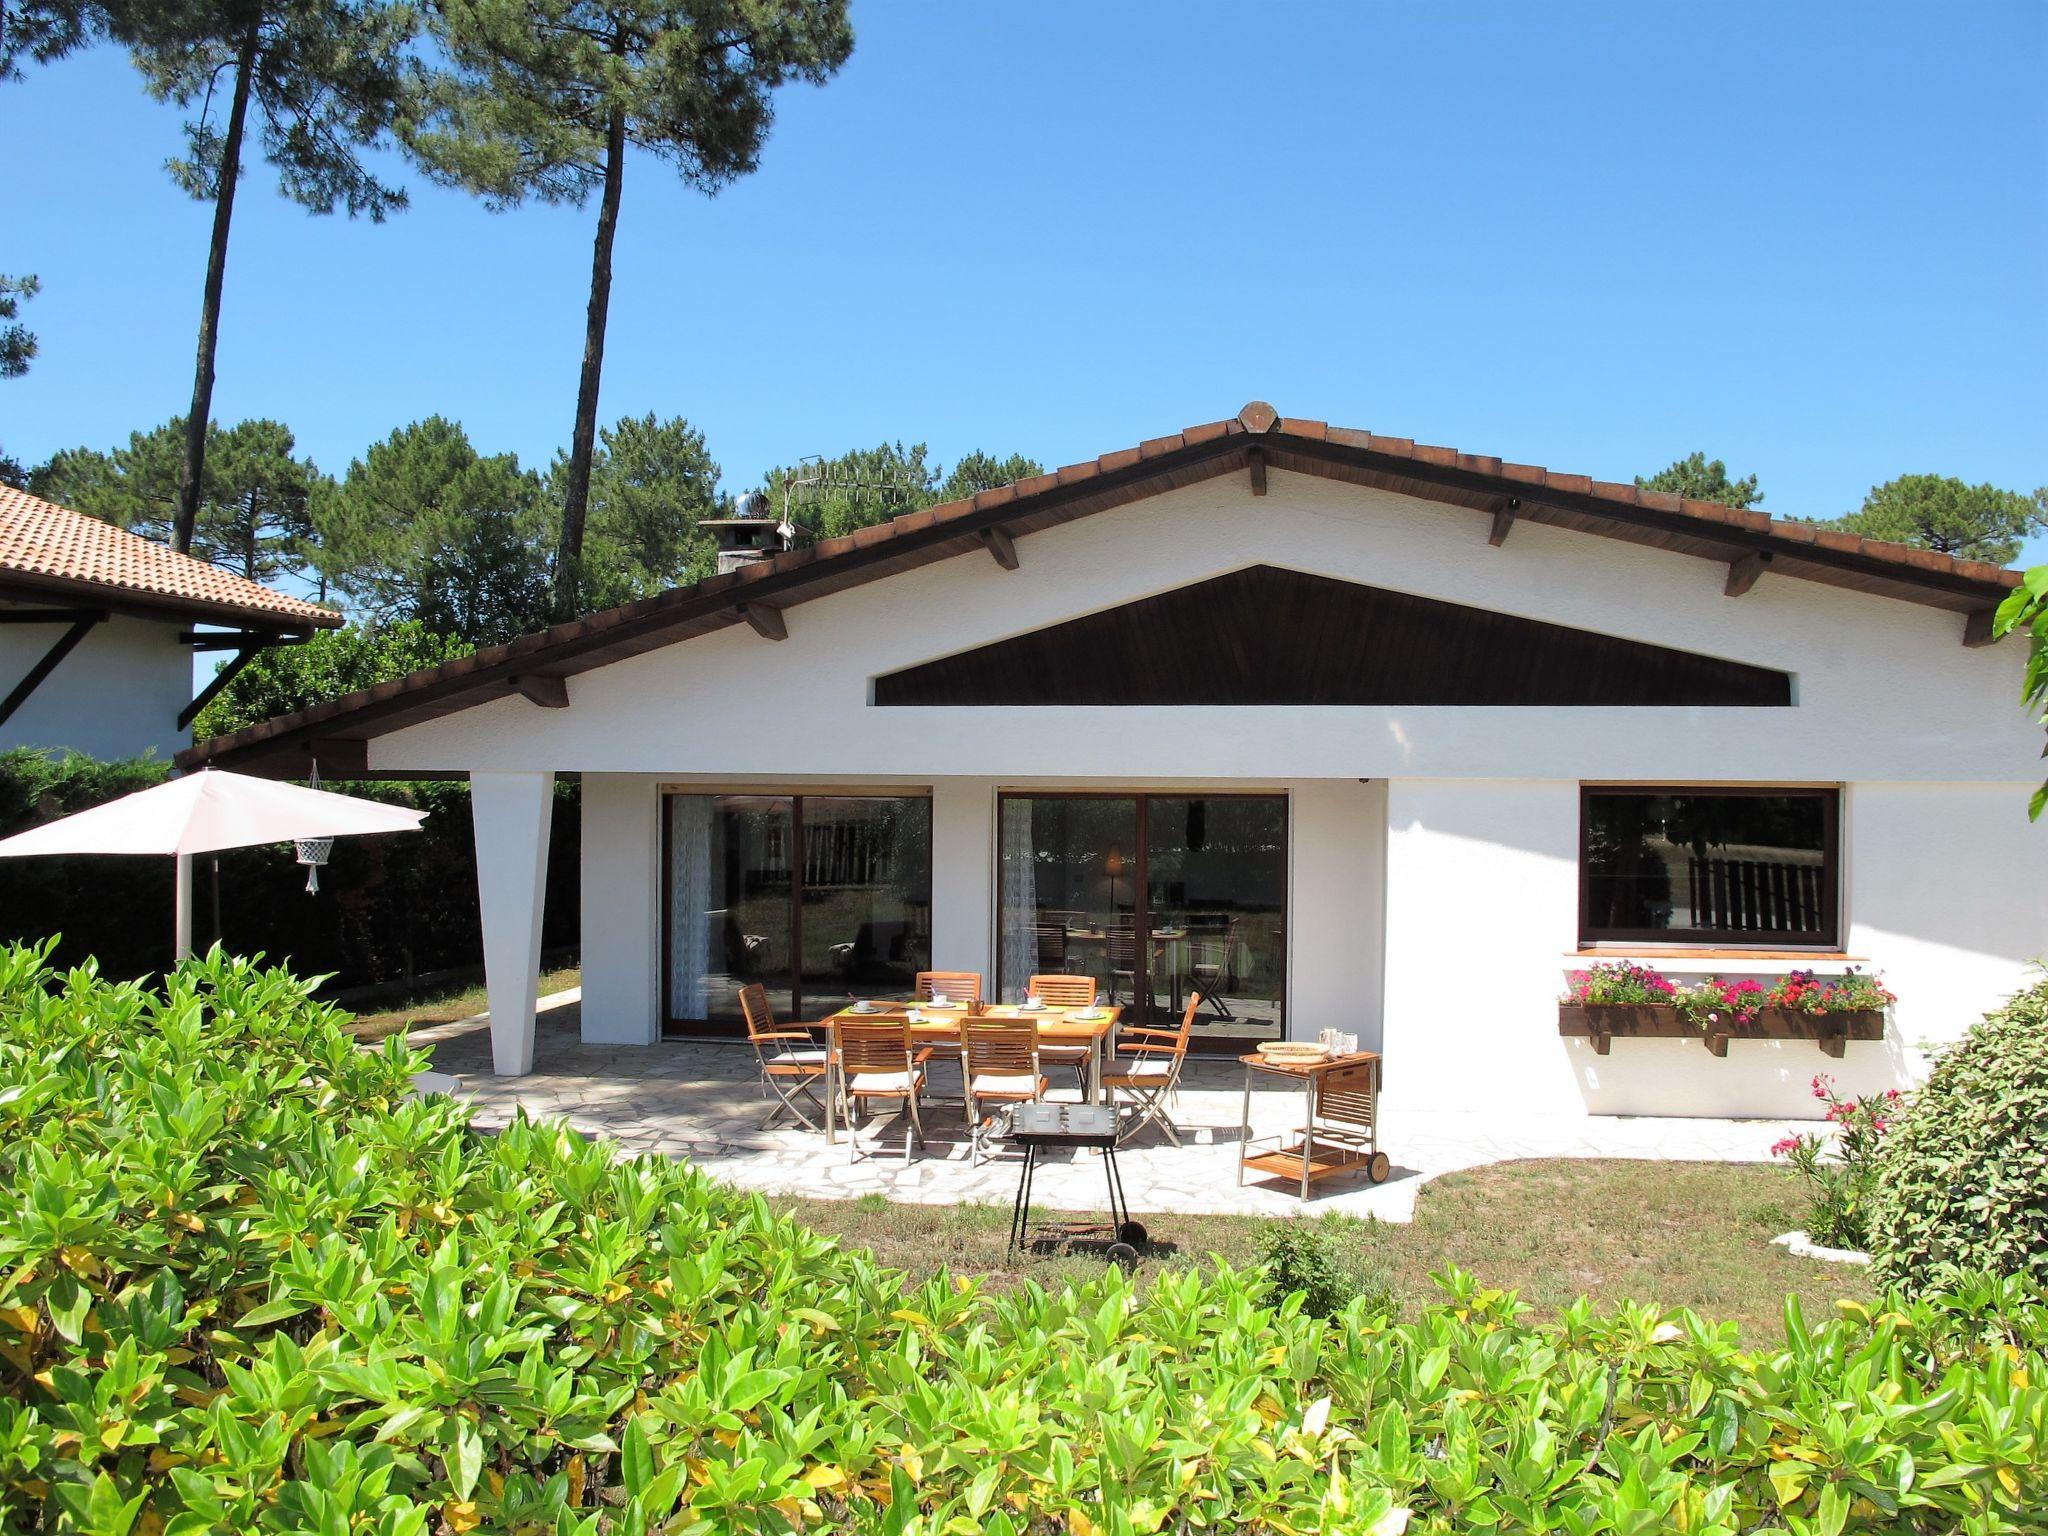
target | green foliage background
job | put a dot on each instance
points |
(388, 907)
(1963, 1175)
(248, 1284)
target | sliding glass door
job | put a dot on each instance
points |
(1155, 896)
(812, 896)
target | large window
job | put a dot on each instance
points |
(1154, 896)
(1708, 866)
(813, 896)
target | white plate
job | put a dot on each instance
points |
(863, 1008)
(1089, 1015)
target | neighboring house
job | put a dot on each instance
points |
(97, 631)
(1342, 731)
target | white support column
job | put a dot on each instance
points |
(621, 909)
(964, 877)
(513, 814)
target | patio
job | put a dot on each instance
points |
(702, 1100)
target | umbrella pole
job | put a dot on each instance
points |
(184, 906)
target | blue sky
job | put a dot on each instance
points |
(1811, 239)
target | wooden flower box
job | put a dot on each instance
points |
(1604, 1023)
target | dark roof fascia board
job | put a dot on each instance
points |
(1754, 532)
(488, 673)
(35, 587)
(1217, 448)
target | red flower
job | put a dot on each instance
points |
(1785, 1146)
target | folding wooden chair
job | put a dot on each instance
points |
(878, 1060)
(1065, 991)
(1146, 1071)
(999, 1065)
(792, 1063)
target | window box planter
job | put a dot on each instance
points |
(1604, 1023)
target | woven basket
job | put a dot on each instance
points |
(1293, 1053)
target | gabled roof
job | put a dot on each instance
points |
(1257, 438)
(51, 552)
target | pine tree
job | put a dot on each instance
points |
(320, 81)
(543, 97)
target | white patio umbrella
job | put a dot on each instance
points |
(205, 812)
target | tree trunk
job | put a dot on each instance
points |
(583, 443)
(191, 472)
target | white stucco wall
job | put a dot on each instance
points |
(117, 694)
(1855, 659)
(621, 909)
(1433, 907)
(1940, 897)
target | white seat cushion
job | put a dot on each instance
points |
(812, 1058)
(1138, 1066)
(1003, 1082)
(882, 1082)
(1063, 1052)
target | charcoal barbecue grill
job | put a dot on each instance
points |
(1035, 1127)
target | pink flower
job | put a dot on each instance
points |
(1785, 1146)
(1821, 1085)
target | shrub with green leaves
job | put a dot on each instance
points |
(1962, 1176)
(247, 1284)
(1311, 1257)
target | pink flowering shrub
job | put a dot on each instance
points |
(1841, 1171)
(1619, 982)
(1717, 1002)
(1852, 992)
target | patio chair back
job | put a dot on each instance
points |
(1051, 942)
(881, 1045)
(1187, 1023)
(1000, 1048)
(1063, 991)
(951, 986)
(755, 1010)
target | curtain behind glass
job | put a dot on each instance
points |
(690, 902)
(1018, 878)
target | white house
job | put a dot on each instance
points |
(97, 631)
(1339, 730)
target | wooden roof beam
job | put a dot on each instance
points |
(540, 688)
(1977, 628)
(999, 544)
(1503, 520)
(1255, 461)
(767, 622)
(1744, 570)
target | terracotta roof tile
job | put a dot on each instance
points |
(55, 547)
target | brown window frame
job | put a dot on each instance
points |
(1826, 938)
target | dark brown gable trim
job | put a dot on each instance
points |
(1270, 636)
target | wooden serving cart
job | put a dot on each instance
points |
(1340, 1132)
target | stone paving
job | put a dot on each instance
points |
(703, 1101)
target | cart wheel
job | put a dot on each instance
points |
(1378, 1169)
(1123, 1254)
(1132, 1234)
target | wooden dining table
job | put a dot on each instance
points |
(944, 1027)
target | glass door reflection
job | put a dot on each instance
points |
(1154, 896)
(1215, 907)
(730, 919)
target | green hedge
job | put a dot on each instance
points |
(246, 1285)
(1961, 1179)
(388, 907)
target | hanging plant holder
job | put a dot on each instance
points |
(313, 853)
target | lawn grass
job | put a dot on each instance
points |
(446, 1005)
(1670, 1234)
